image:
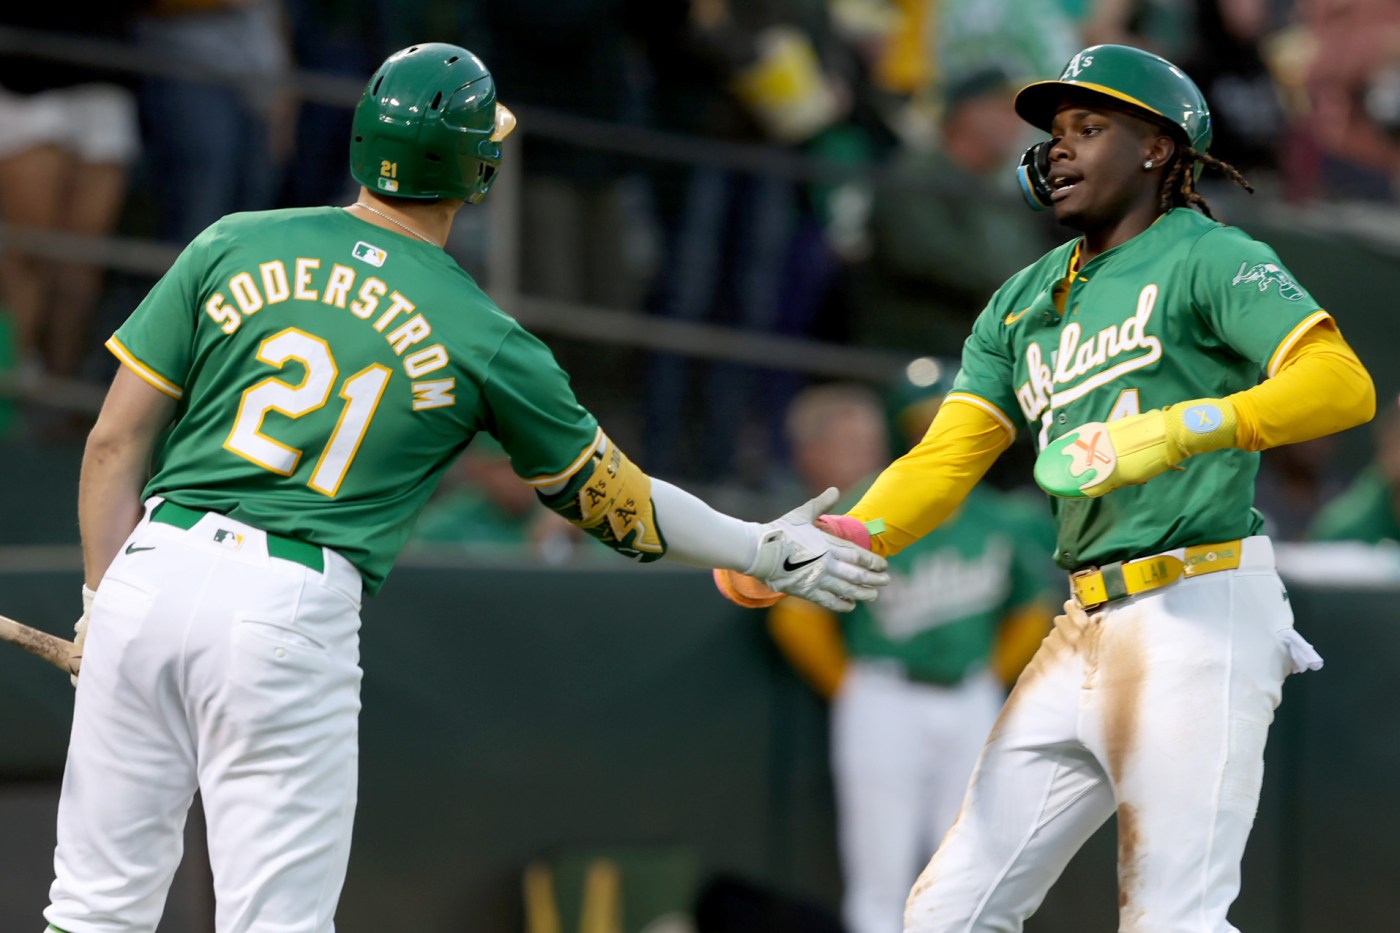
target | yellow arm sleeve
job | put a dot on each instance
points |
(810, 638)
(916, 493)
(1018, 639)
(1320, 388)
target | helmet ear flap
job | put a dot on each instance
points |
(1033, 175)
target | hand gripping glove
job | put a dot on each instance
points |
(796, 557)
(1097, 458)
(75, 660)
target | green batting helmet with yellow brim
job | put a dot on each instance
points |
(1130, 76)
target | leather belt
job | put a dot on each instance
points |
(1098, 586)
(292, 549)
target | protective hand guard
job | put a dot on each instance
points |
(613, 504)
(75, 660)
(796, 558)
(1097, 458)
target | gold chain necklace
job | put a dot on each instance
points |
(396, 223)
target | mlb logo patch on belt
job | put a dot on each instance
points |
(1097, 586)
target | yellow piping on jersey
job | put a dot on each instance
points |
(986, 406)
(155, 379)
(1287, 344)
(572, 468)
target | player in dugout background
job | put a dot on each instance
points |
(1133, 354)
(317, 370)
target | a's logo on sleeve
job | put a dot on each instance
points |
(1264, 274)
(370, 254)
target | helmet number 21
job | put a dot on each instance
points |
(361, 393)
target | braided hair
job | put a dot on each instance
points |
(1179, 185)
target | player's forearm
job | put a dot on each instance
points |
(1019, 638)
(1320, 388)
(699, 535)
(810, 638)
(916, 493)
(109, 498)
(116, 465)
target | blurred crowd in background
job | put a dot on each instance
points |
(833, 171)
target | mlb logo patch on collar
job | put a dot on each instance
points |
(373, 255)
(229, 539)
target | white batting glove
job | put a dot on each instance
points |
(797, 558)
(75, 660)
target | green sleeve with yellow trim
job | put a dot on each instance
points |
(916, 493)
(157, 341)
(1247, 298)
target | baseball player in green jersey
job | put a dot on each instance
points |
(915, 679)
(303, 377)
(1133, 354)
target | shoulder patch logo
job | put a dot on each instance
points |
(1265, 274)
(370, 254)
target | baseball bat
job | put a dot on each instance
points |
(57, 651)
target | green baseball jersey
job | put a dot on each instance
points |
(1187, 309)
(950, 590)
(327, 371)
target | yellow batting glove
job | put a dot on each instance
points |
(1097, 458)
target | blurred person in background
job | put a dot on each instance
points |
(1027, 39)
(738, 72)
(341, 38)
(483, 508)
(579, 211)
(218, 133)
(1343, 146)
(1229, 64)
(915, 680)
(1163, 27)
(946, 228)
(1369, 509)
(1293, 483)
(69, 139)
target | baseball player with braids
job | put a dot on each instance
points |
(311, 373)
(1134, 354)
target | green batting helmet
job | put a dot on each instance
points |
(428, 126)
(1128, 75)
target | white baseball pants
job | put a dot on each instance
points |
(1157, 707)
(901, 754)
(211, 666)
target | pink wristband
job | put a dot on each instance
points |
(846, 526)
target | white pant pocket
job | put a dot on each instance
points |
(1302, 656)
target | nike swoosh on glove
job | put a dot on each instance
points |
(797, 558)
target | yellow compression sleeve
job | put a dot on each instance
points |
(916, 493)
(1320, 388)
(810, 638)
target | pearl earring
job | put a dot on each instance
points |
(1147, 164)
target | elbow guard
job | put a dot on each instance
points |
(609, 498)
